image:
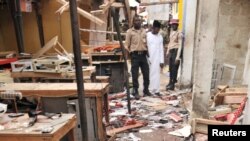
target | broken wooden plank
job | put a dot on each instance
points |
(46, 47)
(106, 6)
(200, 125)
(112, 138)
(83, 13)
(222, 88)
(117, 5)
(63, 8)
(233, 99)
(220, 111)
(236, 90)
(128, 12)
(96, 12)
(7, 54)
(159, 3)
(219, 99)
(119, 130)
(232, 94)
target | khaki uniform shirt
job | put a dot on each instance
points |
(175, 42)
(136, 40)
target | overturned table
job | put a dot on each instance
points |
(99, 91)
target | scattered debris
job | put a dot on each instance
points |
(149, 113)
(201, 137)
(145, 131)
(133, 137)
(173, 102)
(183, 132)
(116, 96)
(118, 130)
(175, 117)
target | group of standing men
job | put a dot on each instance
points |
(147, 53)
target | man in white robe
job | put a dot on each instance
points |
(156, 57)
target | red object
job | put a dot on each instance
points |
(118, 105)
(115, 96)
(232, 117)
(238, 112)
(130, 122)
(175, 117)
(107, 47)
(222, 117)
(174, 21)
(7, 61)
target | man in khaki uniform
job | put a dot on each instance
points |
(174, 51)
(136, 44)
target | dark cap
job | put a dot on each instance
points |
(157, 24)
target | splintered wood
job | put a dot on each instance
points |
(201, 125)
(80, 11)
(118, 130)
(230, 95)
(46, 47)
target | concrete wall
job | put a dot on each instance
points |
(205, 35)
(246, 74)
(233, 35)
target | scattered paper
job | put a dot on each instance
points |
(133, 137)
(145, 131)
(183, 132)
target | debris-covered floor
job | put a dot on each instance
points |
(152, 118)
(167, 118)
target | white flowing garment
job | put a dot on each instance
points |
(156, 57)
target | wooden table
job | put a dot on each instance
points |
(94, 90)
(87, 71)
(28, 134)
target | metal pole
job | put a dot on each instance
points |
(17, 20)
(39, 22)
(78, 66)
(20, 24)
(116, 20)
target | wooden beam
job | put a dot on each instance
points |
(97, 12)
(117, 5)
(56, 89)
(114, 4)
(83, 13)
(113, 138)
(128, 12)
(46, 47)
(106, 7)
(158, 3)
(124, 128)
(232, 94)
(63, 8)
(200, 125)
(237, 90)
(233, 99)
